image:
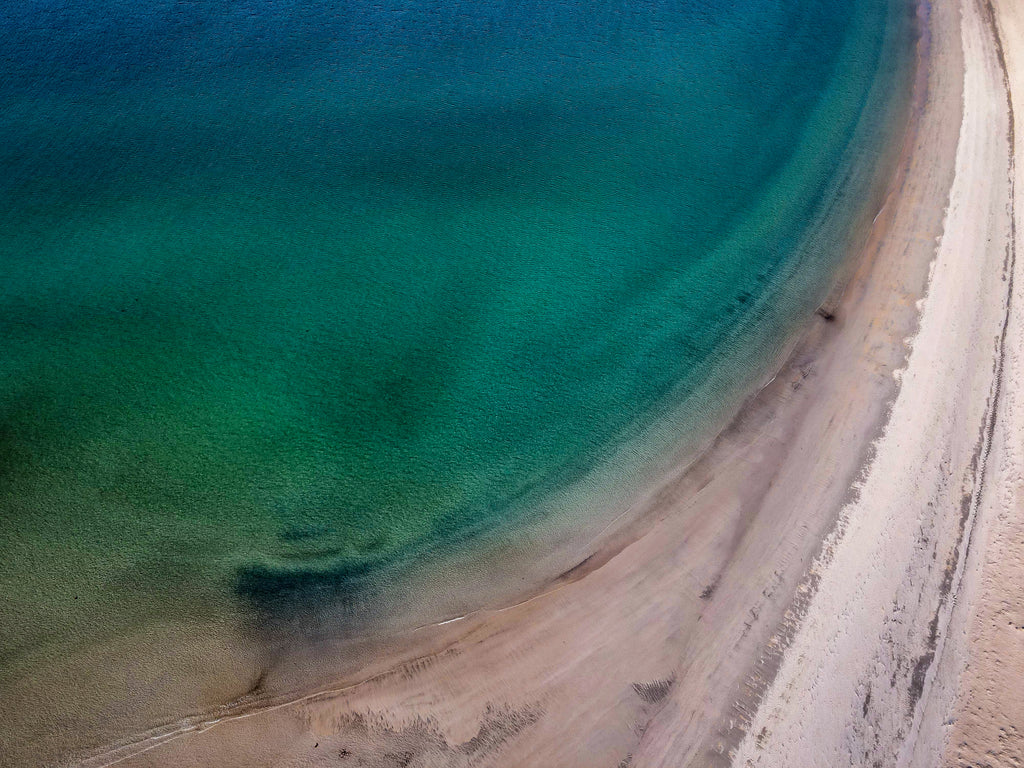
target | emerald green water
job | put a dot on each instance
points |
(291, 294)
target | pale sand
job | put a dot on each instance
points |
(871, 676)
(662, 649)
(978, 720)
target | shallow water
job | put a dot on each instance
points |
(292, 292)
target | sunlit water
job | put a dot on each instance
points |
(292, 292)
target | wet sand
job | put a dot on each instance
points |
(794, 597)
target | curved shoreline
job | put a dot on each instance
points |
(661, 647)
(565, 521)
(146, 672)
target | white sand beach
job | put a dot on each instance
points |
(900, 659)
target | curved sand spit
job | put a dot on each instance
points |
(717, 629)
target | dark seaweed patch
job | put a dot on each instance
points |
(917, 678)
(654, 691)
(285, 590)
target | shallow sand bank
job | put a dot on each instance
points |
(659, 648)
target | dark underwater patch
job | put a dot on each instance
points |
(277, 591)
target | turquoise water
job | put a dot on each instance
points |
(293, 292)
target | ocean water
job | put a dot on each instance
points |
(296, 292)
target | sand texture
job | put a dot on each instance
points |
(834, 582)
(859, 685)
(980, 719)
